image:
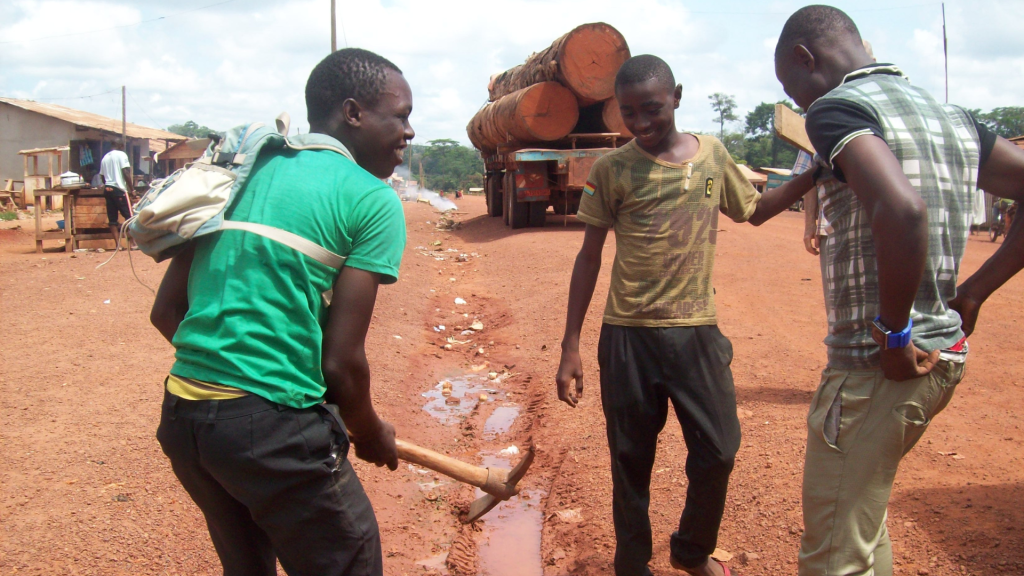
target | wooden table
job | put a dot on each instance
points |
(85, 217)
(65, 234)
(89, 216)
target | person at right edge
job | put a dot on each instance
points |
(660, 343)
(264, 368)
(896, 350)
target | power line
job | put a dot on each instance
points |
(139, 106)
(139, 23)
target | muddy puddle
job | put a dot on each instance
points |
(509, 544)
(500, 420)
(452, 399)
(509, 541)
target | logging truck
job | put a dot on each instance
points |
(546, 123)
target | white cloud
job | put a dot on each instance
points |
(249, 59)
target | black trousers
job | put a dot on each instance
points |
(273, 483)
(642, 371)
(117, 203)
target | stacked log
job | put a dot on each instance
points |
(568, 87)
(612, 118)
(585, 61)
(538, 113)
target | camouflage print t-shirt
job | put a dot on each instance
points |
(665, 218)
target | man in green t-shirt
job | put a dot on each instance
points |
(660, 342)
(267, 378)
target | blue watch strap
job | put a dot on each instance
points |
(897, 339)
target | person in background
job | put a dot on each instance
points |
(116, 171)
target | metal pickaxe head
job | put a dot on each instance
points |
(500, 486)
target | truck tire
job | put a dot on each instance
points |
(493, 194)
(518, 212)
(538, 214)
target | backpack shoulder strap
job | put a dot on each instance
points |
(293, 241)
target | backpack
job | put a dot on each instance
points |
(191, 202)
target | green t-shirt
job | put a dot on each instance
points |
(255, 318)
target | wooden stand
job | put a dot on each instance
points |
(89, 217)
(65, 234)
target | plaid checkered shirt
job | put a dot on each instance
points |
(938, 147)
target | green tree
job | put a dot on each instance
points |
(763, 147)
(448, 165)
(191, 130)
(725, 106)
(736, 144)
(1006, 121)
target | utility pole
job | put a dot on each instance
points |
(423, 184)
(334, 29)
(945, 50)
(124, 121)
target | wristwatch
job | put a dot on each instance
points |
(887, 338)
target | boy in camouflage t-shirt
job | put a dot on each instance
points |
(662, 193)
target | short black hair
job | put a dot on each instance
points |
(814, 23)
(642, 68)
(348, 73)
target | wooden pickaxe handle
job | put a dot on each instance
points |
(490, 480)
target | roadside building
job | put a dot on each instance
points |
(755, 178)
(179, 154)
(28, 125)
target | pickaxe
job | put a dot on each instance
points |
(498, 483)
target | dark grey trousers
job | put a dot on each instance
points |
(273, 483)
(643, 370)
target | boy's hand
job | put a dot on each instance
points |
(378, 448)
(570, 368)
(907, 363)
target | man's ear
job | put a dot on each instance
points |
(351, 113)
(803, 58)
(677, 94)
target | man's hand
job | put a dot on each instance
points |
(968, 308)
(907, 363)
(570, 368)
(378, 448)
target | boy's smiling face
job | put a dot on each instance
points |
(648, 110)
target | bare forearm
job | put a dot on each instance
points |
(348, 387)
(1003, 265)
(581, 291)
(171, 304)
(901, 248)
(811, 211)
(774, 201)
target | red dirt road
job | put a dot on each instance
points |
(85, 489)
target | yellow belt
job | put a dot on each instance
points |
(190, 389)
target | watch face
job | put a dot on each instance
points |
(879, 336)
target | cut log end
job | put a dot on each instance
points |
(590, 58)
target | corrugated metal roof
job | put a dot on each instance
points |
(779, 171)
(187, 150)
(751, 175)
(90, 120)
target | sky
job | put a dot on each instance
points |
(224, 63)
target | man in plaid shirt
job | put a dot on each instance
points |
(896, 349)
